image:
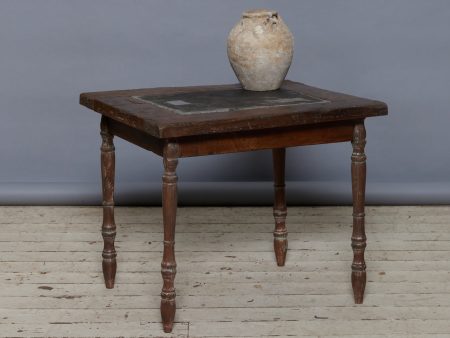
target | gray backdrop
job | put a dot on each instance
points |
(397, 51)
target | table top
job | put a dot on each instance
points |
(200, 110)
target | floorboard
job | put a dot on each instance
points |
(228, 284)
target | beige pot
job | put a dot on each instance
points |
(260, 49)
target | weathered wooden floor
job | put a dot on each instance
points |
(228, 284)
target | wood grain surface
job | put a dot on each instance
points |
(51, 282)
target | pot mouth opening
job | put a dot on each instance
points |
(259, 13)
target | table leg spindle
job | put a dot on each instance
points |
(358, 192)
(168, 265)
(280, 242)
(108, 227)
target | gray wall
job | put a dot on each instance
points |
(397, 51)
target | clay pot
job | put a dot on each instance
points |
(260, 50)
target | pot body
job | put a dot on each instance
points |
(260, 49)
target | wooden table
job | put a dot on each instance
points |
(196, 121)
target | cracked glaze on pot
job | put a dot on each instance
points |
(260, 49)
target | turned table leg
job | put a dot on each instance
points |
(108, 227)
(168, 265)
(280, 242)
(358, 193)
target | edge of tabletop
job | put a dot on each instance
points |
(164, 130)
(115, 113)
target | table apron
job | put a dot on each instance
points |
(233, 142)
(136, 137)
(266, 139)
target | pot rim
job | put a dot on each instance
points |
(258, 13)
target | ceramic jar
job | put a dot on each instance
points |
(260, 49)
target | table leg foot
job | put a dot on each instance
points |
(168, 308)
(168, 328)
(109, 273)
(358, 285)
(358, 193)
(109, 263)
(168, 265)
(280, 246)
(280, 242)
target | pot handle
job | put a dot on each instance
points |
(273, 18)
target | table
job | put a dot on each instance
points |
(205, 120)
